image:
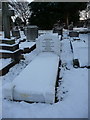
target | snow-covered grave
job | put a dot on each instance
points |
(23, 45)
(80, 49)
(36, 83)
(81, 30)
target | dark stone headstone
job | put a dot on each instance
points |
(58, 30)
(31, 33)
(74, 34)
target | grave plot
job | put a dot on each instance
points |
(80, 50)
(8, 46)
(36, 83)
(31, 33)
(82, 30)
(74, 35)
(8, 50)
(27, 47)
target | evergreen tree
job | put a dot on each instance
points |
(45, 14)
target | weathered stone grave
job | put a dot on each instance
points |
(42, 72)
(74, 35)
(8, 47)
(31, 32)
(80, 54)
(58, 30)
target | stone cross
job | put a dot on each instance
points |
(6, 19)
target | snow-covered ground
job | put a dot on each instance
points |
(4, 62)
(72, 90)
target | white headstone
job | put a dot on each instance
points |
(48, 43)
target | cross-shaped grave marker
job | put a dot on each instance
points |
(6, 19)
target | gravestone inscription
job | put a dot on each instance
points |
(48, 43)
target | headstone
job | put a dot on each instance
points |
(6, 19)
(48, 43)
(74, 34)
(31, 33)
(58, 30)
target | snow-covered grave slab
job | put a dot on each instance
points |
(23, 45)
(81, 30)
(40, 32)
(80, 50)
(36, 83)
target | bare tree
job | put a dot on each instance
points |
(21, 9)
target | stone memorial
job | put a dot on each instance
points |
(48, 43)
(8, 47)
(31, 33)
(6, 19)
(58, 30)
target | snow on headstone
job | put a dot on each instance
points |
(48, 43)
